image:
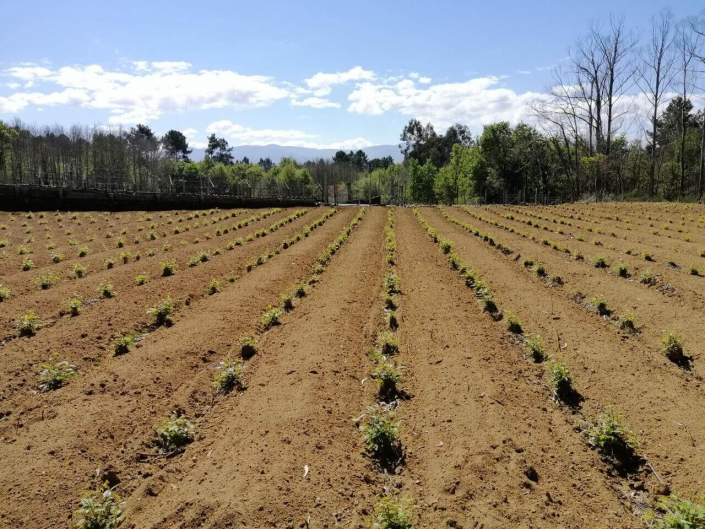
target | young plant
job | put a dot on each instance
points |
(168, 268)
(162, 311)
(122, 344)
(561, 380)
(229, 376)
(101, 509)
(105, 290)
(54, 376)
(674, 512)
(513, 324)
(540, 270)
(173, 433)
(623, 270)
(4, 293)
(27, 264)
(534, 345)
(125, 256)
(599, 261)
(600, 305)
(83, 251)
(388, 343)
(214, 287)
(647, 278)
(381, 437)
(648, 255)
(391, 283)
(271, 317)
(57, 257)
(248, 347)
(46, 281)
(287, 302)
(694, 270)
(141, 279)
(672, 347)
(74, 305)
(109, 263)
(488, 303)
(611, 437)
(78, 271)
(387, 375)
(390, 515)
(300, 290)
(627, 322)
(27, 324)
(392, 321)
(446, 246)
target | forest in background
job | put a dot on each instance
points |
(623, 120)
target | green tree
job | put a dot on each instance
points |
(175, 145)
(421, 181)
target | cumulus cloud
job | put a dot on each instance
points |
(288, 137)
(475, 102)
(425, 80)
(315, 102)
(322, 83)
(150, 91)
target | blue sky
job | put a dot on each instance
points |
(321, 74)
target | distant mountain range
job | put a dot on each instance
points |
(300, 154)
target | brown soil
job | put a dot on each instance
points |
(486, 444)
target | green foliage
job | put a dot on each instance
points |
(141, 279)
(600, 261)
(174, 433)
(54, 376)
(627, 322)
(169, 268)
(623, 270)
(388, 343)
(27, 324)
(389, 514)
(109, 263)
(513, 324)
(610, 436)
(672, 347)
(600, 305)
(46, 281)
(27, 264)
(300, 290)
(287, 302)
(162, 311)
(105, 290)
(647, 278)
(228, 377)
(4, 293)
(122, 344)
(271, 317)
(673, 512)
(214, 287)
(83, 251)
(534, 345)
(381, 437)
(248, 346)
(561, 380)
(78, 271)
(387, 376)
(100, 509)
(74, 305)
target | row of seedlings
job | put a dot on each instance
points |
(175, 432)
(607, 433)
(672, 345)
(381, 431)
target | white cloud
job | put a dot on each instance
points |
(189, 133)
(425, 80)
(414, 75)
(476, 102)
(12, 85)
(322, 83)
(286, 137)
(152, 90)
(524, 72)
(315, 102)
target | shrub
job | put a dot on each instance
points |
(174, 433)
(27, 324)
(83, 251)
(101, 509)
(74, 305)
(672, 347)
(162, 311)
(105, 290)
(599, 261)
(229, 376)
(674, 512)
(623, 270)
(27, 264)
(381, 436)
(513, 324)
(248, 346)
(287, 302)
(627, 322)
(141, 279)
(109, 263)
(390, 515)
(534, 344)
(78, 271)
(168, 268)
(647, 278)
(45, 281)
(122, 344)
(271, 317)
(54, 376)
(611, 437)
(388, 344)
(214, 287)
(4, 293)
(561, 380)
(387, 375)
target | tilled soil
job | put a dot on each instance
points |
(486, 443)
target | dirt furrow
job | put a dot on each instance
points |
(665, 408)
(285, 452)
(106, 416)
